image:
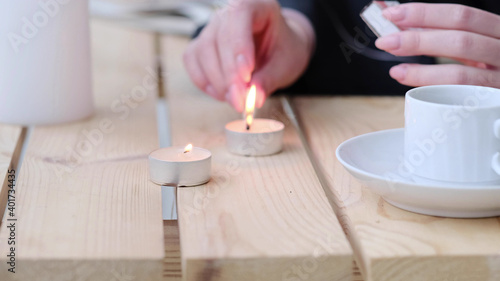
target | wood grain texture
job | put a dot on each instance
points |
(11, 141)
(259, 218)
(390, 243)
(85, 207)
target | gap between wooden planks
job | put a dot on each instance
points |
(95, 216)
(172, 270)
(263, 218)
(392, 244)
(11, 142)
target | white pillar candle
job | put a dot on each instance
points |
(44, 62)
(180, 166)
(264, 137)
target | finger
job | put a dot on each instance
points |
(193, 68)
(444, 16)
(266, 79)
(447, 43)
(208, 59)
(261, 96)
(236, 44)
(261, 84)
(236, 97)
(442, 74)
(475, 64)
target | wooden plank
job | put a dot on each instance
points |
(390, 243)
(85, 207)
(259, 218)
(11, 141)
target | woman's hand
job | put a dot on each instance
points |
(249, 42)
(466, 34)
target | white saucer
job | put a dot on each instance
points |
(374, 159)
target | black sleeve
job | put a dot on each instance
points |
(307, 7)
(492, 6)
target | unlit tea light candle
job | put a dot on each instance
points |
(254, 137)
(180, 166)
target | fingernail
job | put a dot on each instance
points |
(243, 68)
(394, 14)
(210, 90)
(390, 42)
(399, 72)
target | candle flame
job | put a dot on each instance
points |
(250, 106)
(188, 148)
(249, 120)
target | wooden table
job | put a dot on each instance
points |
(85, 209)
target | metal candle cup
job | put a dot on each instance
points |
(265, 137)
(181, 167)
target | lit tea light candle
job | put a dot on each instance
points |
(180, 166)
(254, 137)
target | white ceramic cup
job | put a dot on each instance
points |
(452, 133)
(44, 62)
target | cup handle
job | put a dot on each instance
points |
(495, 161)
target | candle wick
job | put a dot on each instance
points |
(248, 127)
